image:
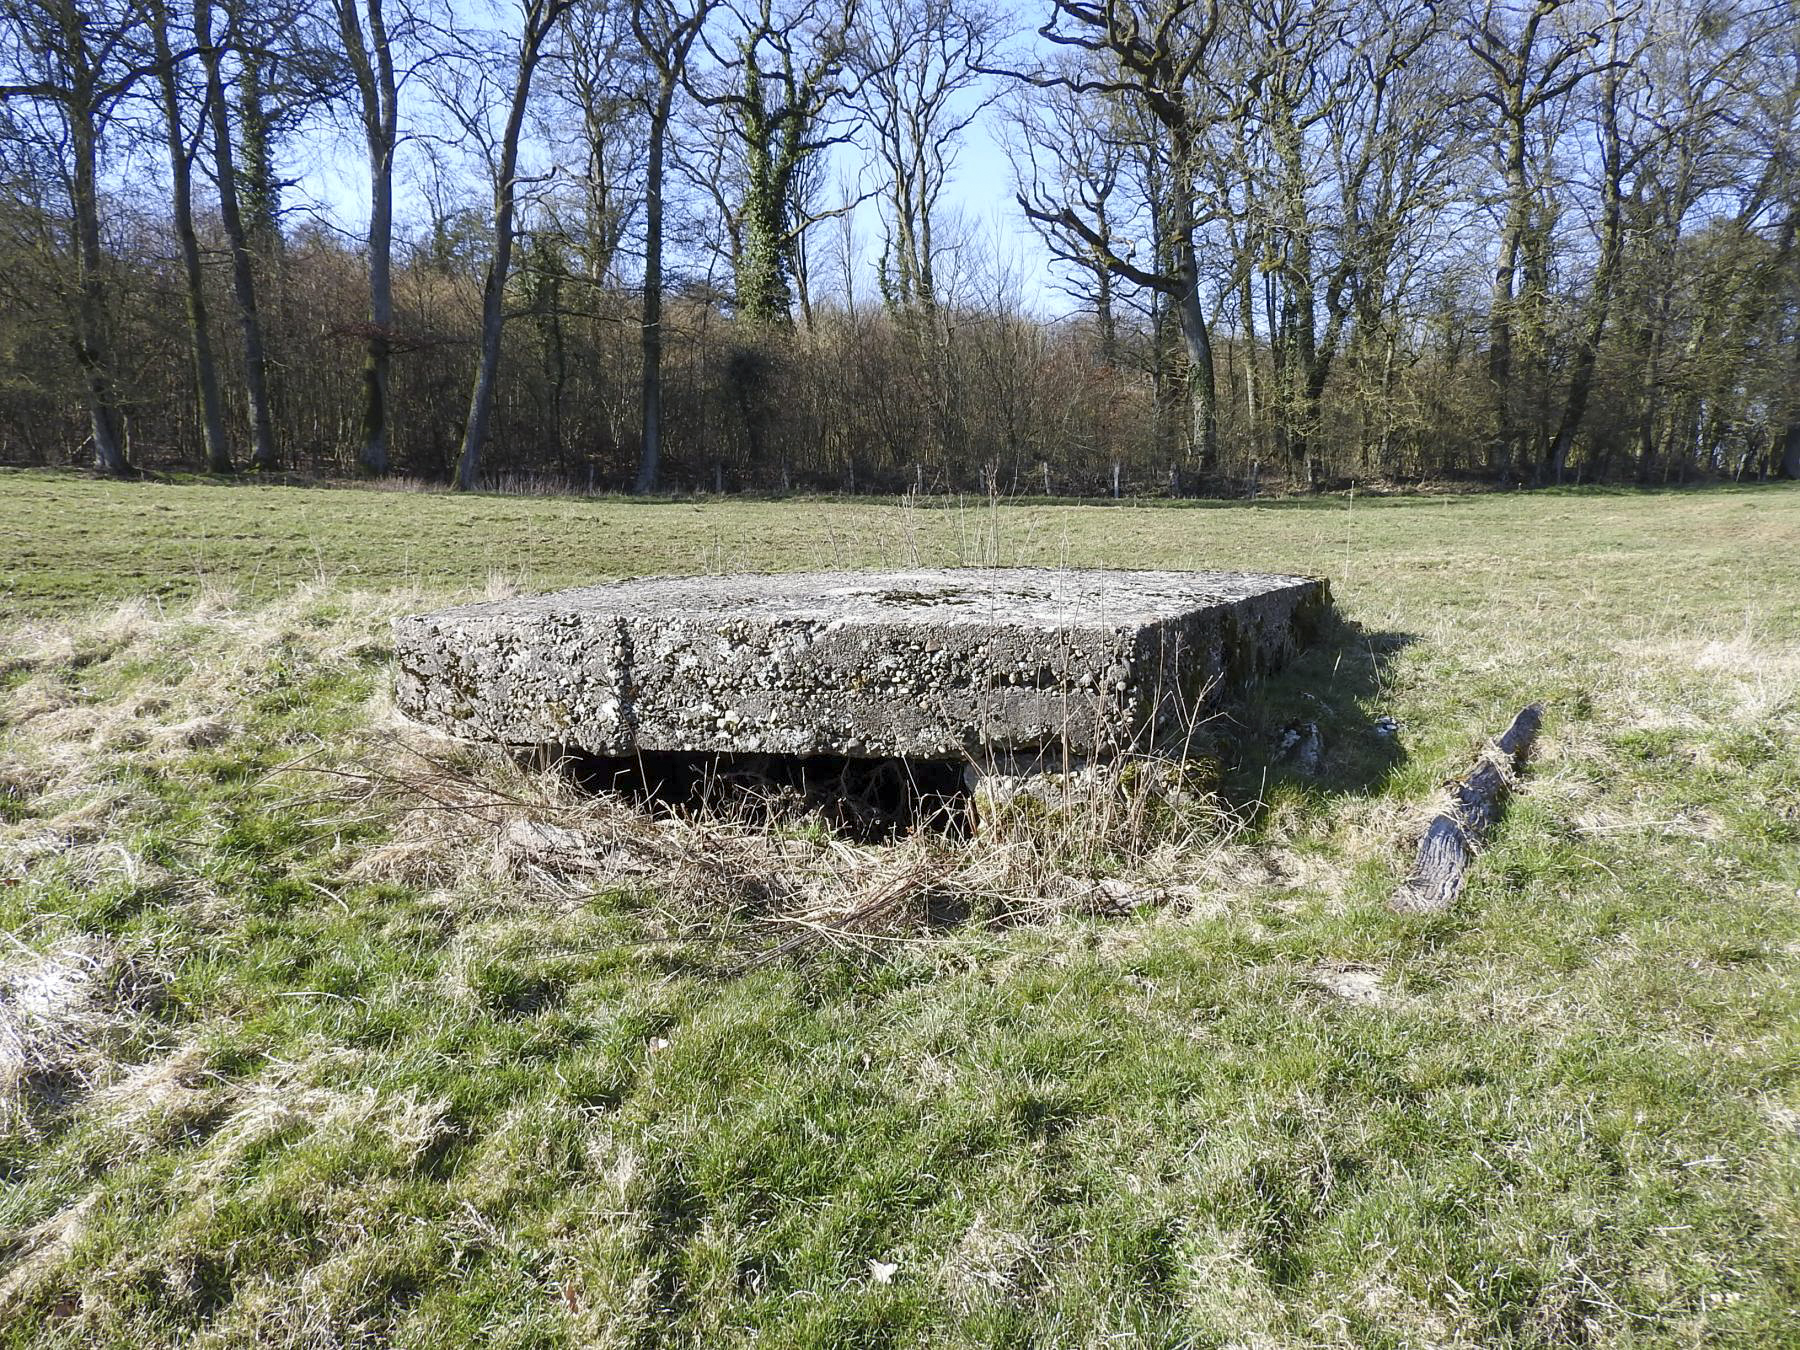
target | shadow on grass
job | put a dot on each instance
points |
(1338, 685)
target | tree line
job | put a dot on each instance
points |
(715, 244)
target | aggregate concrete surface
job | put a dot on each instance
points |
(937, 664)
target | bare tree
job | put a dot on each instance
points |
(598, 76)
(1780, 143)
(1156, 58)
(1394, 171)
(666, 33)
(71, 63)
(1290, 61)
(213, 47)
(1790, 444)
(369, 52)
(917, 62)
(540, 20)
(1617, 162)
(1730, 124)
(1072, 144)
(778, 88)
(1529, 62)
(1326, 158)
(182, 149)
(1544, 238)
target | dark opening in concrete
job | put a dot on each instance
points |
(867, 799)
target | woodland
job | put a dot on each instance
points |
(723, 245)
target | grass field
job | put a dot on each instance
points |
(288, 1056)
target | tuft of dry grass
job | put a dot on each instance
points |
(1109, 840)
(67, 1015)
(34, 1254)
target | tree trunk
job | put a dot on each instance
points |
(378, 363)
(650, 450)
(762, 262)
(540, 17)
(487, 365)
(1500, 307)
(181, 164)
(1307, 371)
(372, 65)
(1653, 334)
(255, 161)
(1385, 447)
(1587, 345)
(90, 300)
(1104, 319)
(1202, 389)
(1252, 402)
(1790, 448)
(243, 276)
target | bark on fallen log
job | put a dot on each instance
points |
(1475, 805)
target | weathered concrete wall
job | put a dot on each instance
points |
(926, 664)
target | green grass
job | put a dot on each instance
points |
(345, 1084)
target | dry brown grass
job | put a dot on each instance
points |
(461, 817)
(66, 1015)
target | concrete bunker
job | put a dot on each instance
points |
(894, 691)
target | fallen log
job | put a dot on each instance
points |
(1450, 840)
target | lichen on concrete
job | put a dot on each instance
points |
(941, 664)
